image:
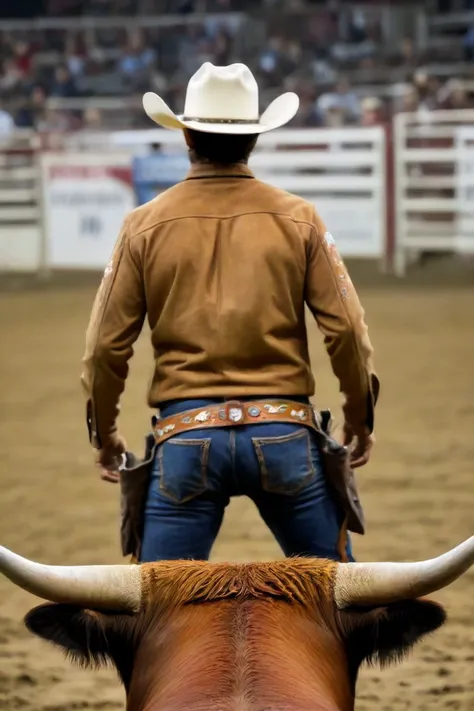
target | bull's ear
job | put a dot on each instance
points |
(384, 635)
(89, 638)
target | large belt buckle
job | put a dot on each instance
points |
(233, 411)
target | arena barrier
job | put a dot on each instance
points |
(342, 171)
(21, 224)
(464, 236)
(434, 184)
(86, 191)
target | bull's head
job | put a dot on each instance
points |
(137, 616)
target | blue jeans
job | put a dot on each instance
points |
(277, 465)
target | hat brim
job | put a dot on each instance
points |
(279, 112)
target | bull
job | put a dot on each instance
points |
(197, 636)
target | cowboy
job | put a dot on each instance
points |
(222, 266)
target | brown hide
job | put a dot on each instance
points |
(267, 621)
(252, 637)
(230, 655)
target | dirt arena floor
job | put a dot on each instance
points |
(418, 490)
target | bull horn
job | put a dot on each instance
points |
(110, 587)
(384, 583)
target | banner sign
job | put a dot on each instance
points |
(85, 202)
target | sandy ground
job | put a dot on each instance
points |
(418, 490)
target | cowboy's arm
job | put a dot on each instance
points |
(115, 323)
(334, 303)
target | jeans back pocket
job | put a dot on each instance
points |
(285, 462)
(182, 468)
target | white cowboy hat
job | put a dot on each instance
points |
(222, 100)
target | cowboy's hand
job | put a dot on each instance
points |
(108, 459)
(361, 446)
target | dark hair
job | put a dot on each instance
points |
(220, 148)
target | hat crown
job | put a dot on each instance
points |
(222, 93)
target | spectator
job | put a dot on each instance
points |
(186, 48)
(468, 44)
(136, 58)
(409, 100)
(270, 60)
(75, 59)
(427, 89)
(347, 99)
(357, 27)
(92, 119)
(158, 82)
(11, 77)
(222, 47)
(406, 56)
(22, 58)
(55, 121)
(64, 85)
(307, 115)
(342, 102)
(33, 109)
(433, 87)
(334, 117)
(454, 96)
(7, 124)
(293, 55)
(371, 111)
(204, 52)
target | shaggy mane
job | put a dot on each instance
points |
(297, 580)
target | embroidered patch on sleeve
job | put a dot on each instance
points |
(332, 249)
(101, 292)
(335, 257)
(329, 239)
(109, 268)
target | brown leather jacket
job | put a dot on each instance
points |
(223, 264)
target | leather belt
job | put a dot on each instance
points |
(233, 414)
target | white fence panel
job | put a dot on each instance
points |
(342, 171)
(21, 244)
(465, 189)
(79, 189)
(434, 184)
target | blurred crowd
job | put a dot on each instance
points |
(343, 71)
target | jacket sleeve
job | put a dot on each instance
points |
(115, 323)
(334, 303)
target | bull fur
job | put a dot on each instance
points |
(224, 637)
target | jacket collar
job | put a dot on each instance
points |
(210, 170)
